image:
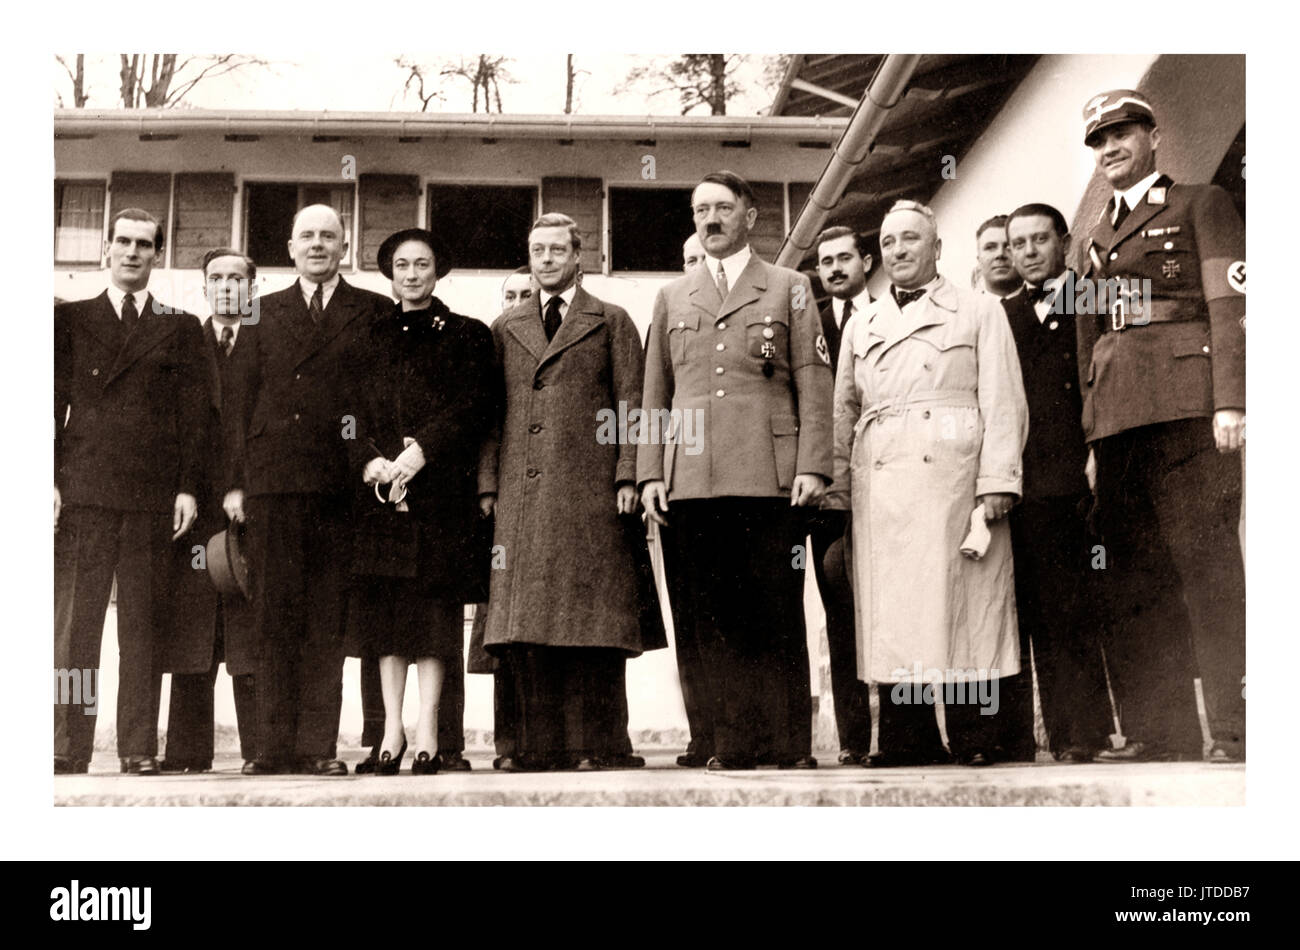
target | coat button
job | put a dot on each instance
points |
(1205, 349)
(296, 417)
(722, 326)
(533, 473)
(1053, 325)
(681, 324)
(926, 414)
(927, 459)
(297, 375)
(1169, 245)
(880, 465)
(719, 371)
(1068, 386)
(535, 427)
(767, 319)
(1114, 255)
(928, 367)
(720, 393)
(404, 327)
(95, 371)
(721, 347)
(538, 384)
(768, 333)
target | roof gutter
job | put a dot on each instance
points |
(176, 121)
(886, 88)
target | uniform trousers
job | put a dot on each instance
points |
(1059, 616)
(190, 714)
(91, 546)
(852, 697)
(690, 664)
(298, 546)
(1168, 482)
(742, 563)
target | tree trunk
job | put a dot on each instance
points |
(127, 75)
(718, 88)
(79, 96)
(568, 86)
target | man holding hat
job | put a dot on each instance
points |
(1163, 379)
(296, 413)
(211, 619)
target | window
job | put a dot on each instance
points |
(489, 223)
(269, 207)
(647, 227)
(78, 222)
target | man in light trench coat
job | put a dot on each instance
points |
(930, 422)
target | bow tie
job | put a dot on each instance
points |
(904, 297)
(1038, 294)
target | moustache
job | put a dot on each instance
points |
(713, 229)
(837, 276)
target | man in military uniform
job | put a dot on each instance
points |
(737, 345)
(1163, 377)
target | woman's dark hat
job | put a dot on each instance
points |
(441, 255)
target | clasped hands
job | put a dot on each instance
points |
(398, 471)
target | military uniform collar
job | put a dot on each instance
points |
(734, 265)
(1133, 196)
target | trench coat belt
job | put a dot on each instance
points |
(955, 398)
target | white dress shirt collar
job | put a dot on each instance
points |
(217, 326)
(308, 287)
(1135, 194)
(565, 295)
(116, 295)
(860, 303)
(1043, 307)
(733, 265)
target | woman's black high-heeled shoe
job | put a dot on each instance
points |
(387, 765)
(425, 764)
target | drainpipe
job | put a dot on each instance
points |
(887, 87)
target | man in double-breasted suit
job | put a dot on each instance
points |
(843, 260)
(569, 600)
(298, 409)
(737, 366)
(130, 405)
(207, 627)
(1049, 535)
(1162, 368)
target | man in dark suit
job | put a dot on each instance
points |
(208, 627)
(290, 472)
(843, 261)
(130, 404)
(1163, 375)
(737, 345)
(1054, 579)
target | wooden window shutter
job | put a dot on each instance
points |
(389, 203)
(149, 191)
(582, 199)
(769, 230)
(204, 209)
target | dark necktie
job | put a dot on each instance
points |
(317, 306)
(904, 297)
(227, 340)
(848, 312)
(1122, 213)
(723, 288)
(129, 314)
(551, 322)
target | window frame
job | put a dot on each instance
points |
(427, 183)
(349, 262)
(98, 262)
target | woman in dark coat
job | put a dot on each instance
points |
(420, 553)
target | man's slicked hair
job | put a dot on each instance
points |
(216, 252)
(555, 219)
(1037, 209)
(138, 214)
(730, 180)
(906, 204)
(838, 231)
(997, 221)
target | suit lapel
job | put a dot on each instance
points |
(584, 315)
(342, 310)
(150, 330)
(704, 292)
(102, 321)
(749, 287)
(215, 356)
(528, 329)
(933, 309)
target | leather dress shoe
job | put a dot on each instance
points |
(587, 763)
(802, 762)
(624, 760)
(367, 765)
(1075, 753)
(249, 767)
(453, 762)
(139, 765)
(322, 767)
(850, 757)
(186, 766)
(893, 760)
(689, 760)
(1227, 753)
(718, 764)
(65, 765)
(264, 767)
(505, 763)
(1138, 751)
(977, 759)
